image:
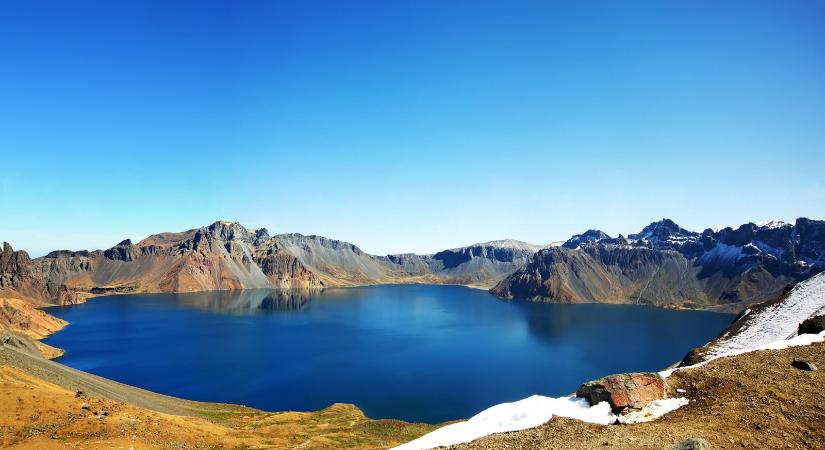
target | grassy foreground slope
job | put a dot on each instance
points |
(41, 408)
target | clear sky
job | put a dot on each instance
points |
(406, 125)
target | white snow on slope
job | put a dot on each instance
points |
(772, 224)
(532, 412)
(776, 322)
(510, 243)
(654, 410)
(798, 341)
(521, 415)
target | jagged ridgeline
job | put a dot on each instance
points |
(662, 265)
(666, 265)
(226, 255)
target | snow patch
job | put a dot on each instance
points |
(798, 341)
(510, 244)
(654, 410)
(772, 224)
(521, 415)
(721, 253)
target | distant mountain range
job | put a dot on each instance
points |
(663, 265)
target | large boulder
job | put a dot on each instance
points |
(624, 391)
(812, 325)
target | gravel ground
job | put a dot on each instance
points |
(751, 401)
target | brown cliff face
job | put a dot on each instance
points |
(607, 275)
(285, 271)
(226, 255)
(222, 256)
(16, 273)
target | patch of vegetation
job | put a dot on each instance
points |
(38, 429)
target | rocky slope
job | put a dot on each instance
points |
(666, 265)
(774, 320)
(663, 265)
(226, 255)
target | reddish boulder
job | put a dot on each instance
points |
(626, 390)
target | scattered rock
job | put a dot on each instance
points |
(801, 364)
(85, 406)
(79, 394)
(105, 412)
(812, 325)
(622, 391)
(692, 444)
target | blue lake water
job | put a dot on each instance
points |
(413, 352)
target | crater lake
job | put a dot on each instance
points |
(421, 353)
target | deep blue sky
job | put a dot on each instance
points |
(406, 126)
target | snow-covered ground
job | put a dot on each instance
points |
(772, 328)
(776, 322)
(532, 412)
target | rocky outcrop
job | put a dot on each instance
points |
(586, 238)
(813, 325)
(125, 251)
(16, 273)
(285, 271)
(624, 392)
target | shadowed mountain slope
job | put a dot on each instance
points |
(666, 265)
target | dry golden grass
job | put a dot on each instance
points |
(41, 415)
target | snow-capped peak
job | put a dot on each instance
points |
(511, 244)
(772, 224)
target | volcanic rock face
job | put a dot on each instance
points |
(226, 255)
(15, 268)
(588, 237)
(812, 325)
(665, 265)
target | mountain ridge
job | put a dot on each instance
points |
(666, 265)
(662, 265)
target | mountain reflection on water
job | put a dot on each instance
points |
(249, 301)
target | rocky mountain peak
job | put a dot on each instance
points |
(262, 234)
(124, 251)
(229, 231)
(15, 267)
(588, 237)
(510, 244)
(663, 230)
(665, 234)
